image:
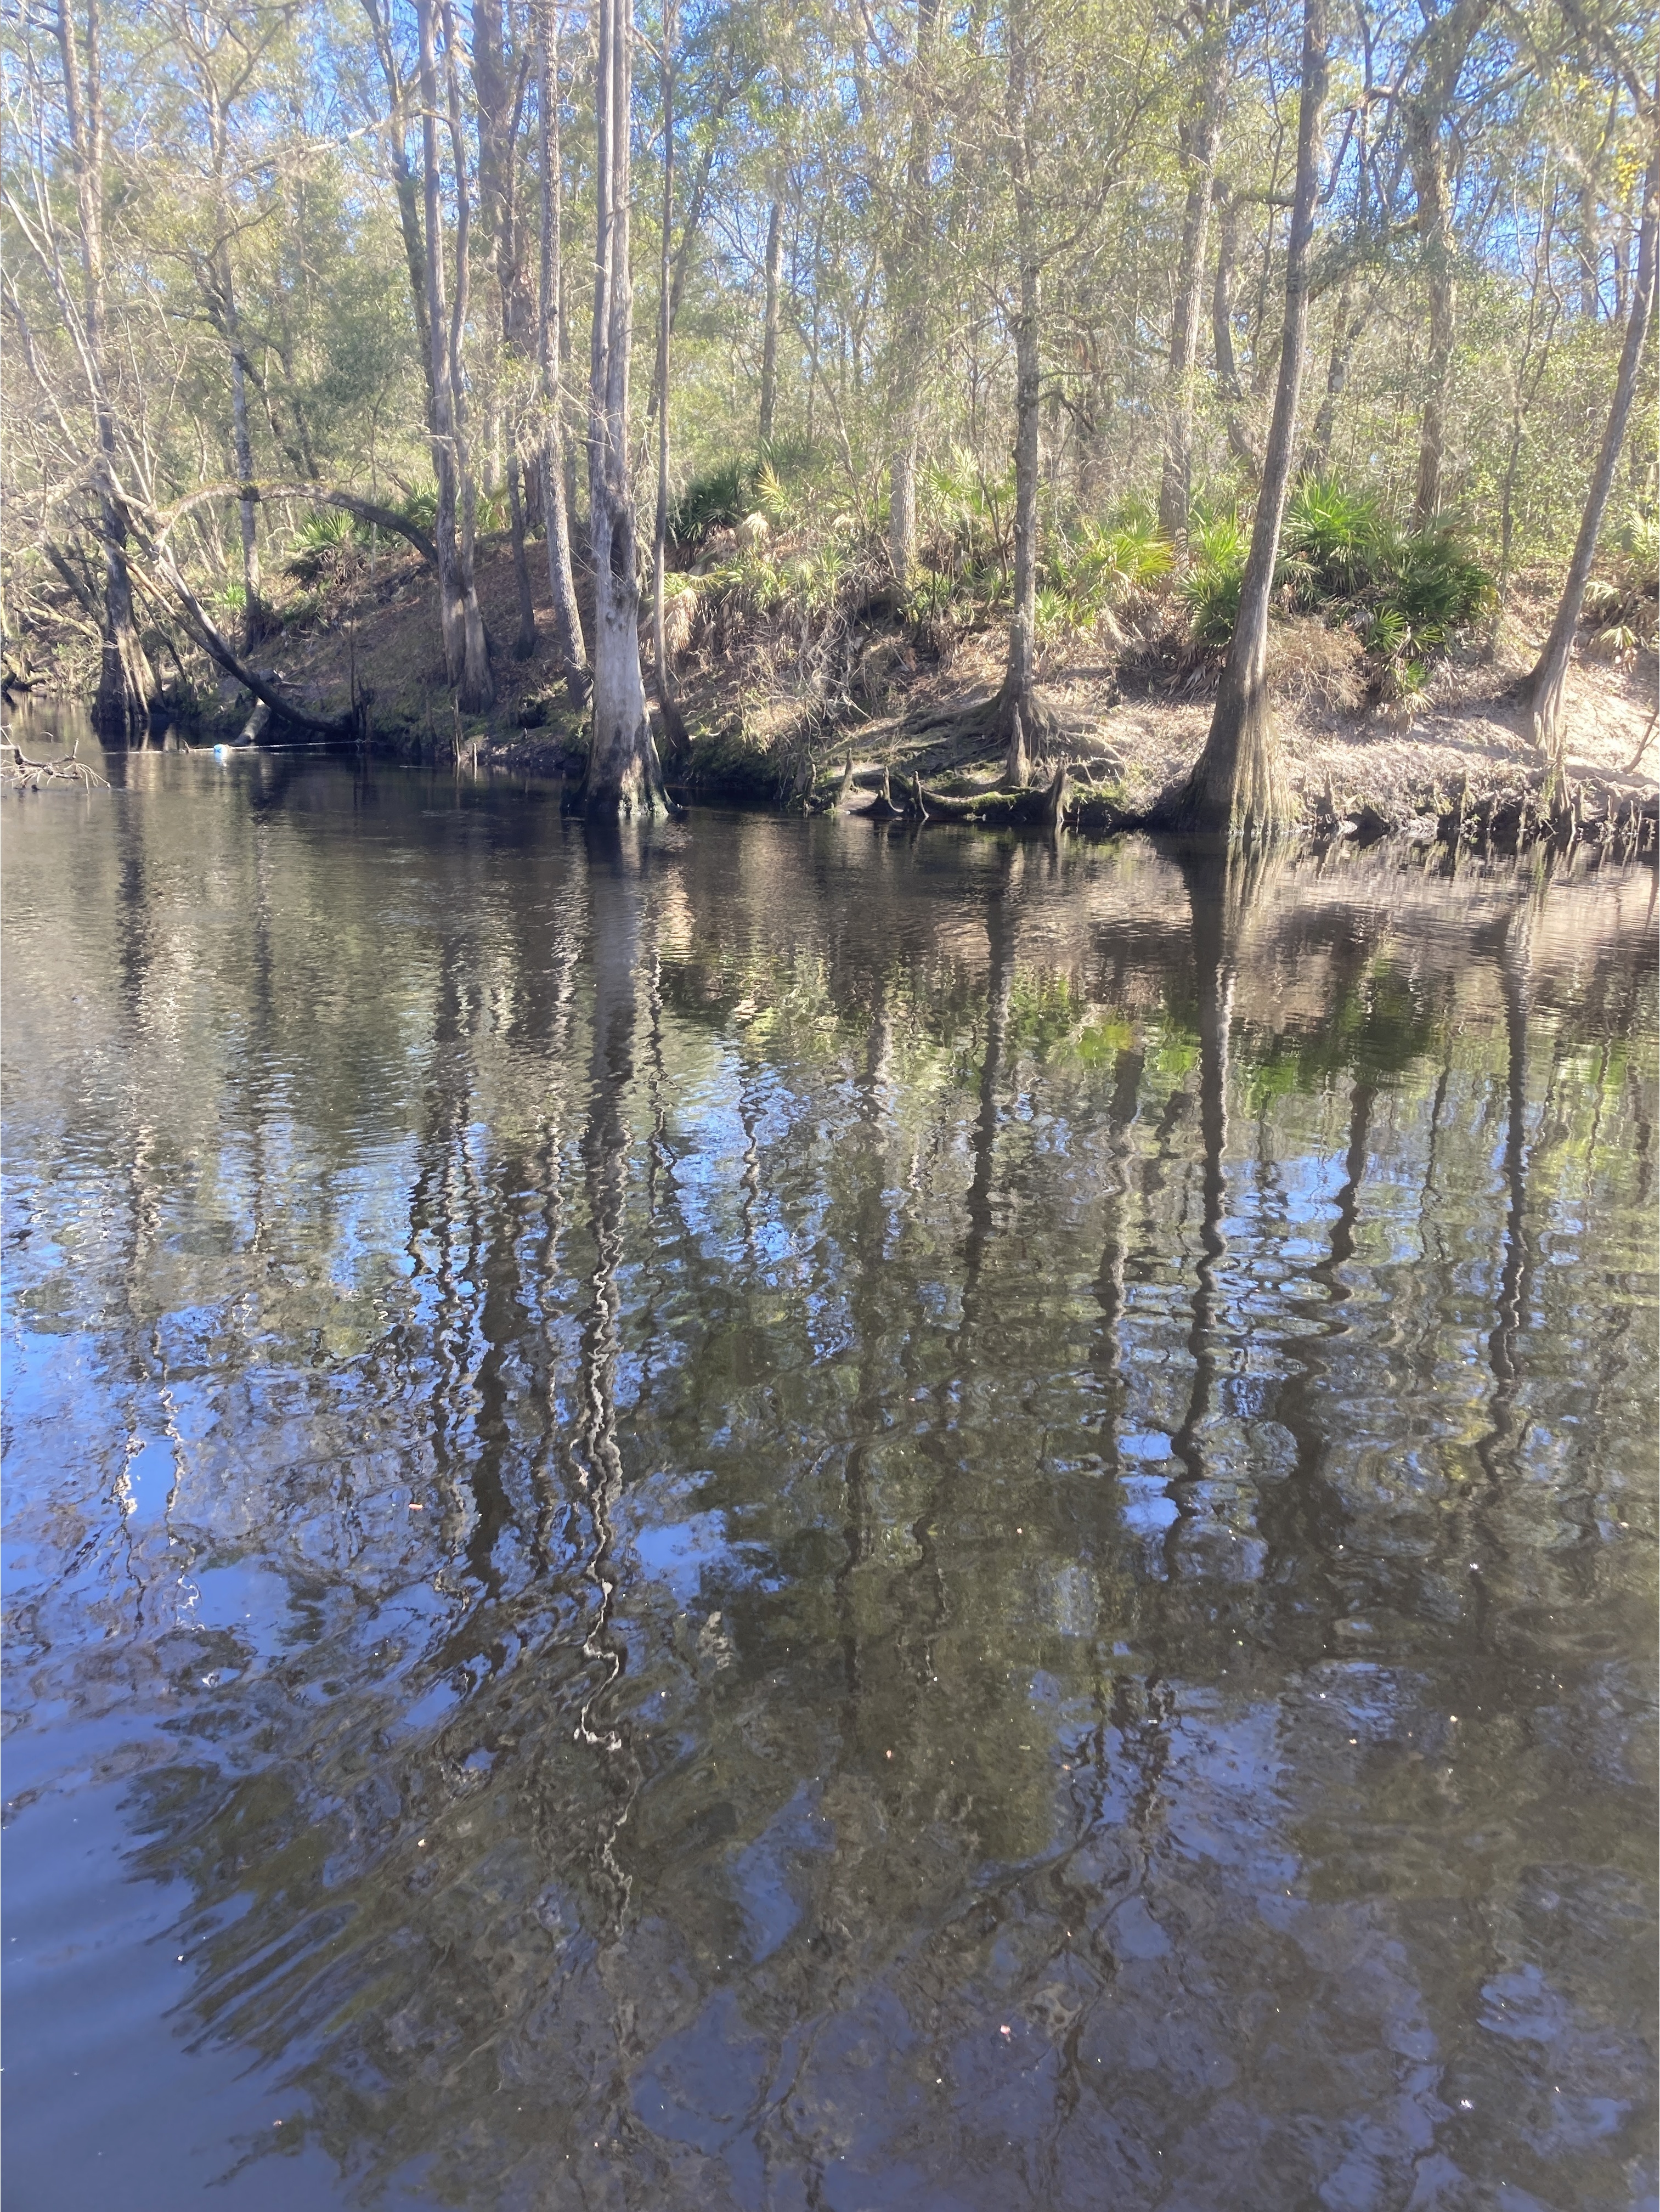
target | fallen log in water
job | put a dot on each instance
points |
(1036, 806)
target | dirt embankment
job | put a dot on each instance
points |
(911, 720)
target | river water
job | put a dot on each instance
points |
(784, 1516)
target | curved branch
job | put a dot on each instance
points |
(315, 495)
(218, 648)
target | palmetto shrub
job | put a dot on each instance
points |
(1103, 567)
(1215, 571)
(1329, 536)
(1408, 592)
(322, 546)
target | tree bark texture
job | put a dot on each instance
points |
(1015, 701)
(1237, 788)
(1202, 137)
(909, 278)
(121, 709)
(466, 655)
(477, 690)
(674, 727)
(1447, 46)
(394, 137)
(769, 320)
(443, 433)
(621, 777)
(499, 101)
(556, 513)
(1542, 693)
(221, 283)
(1230, 387)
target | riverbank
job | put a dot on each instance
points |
(908, 715)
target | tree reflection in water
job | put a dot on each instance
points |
(839, 1492)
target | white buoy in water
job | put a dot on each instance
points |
(221, 752)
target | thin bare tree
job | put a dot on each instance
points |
(621, 777)
(1238, 787)
(1545, 684)
(556, 515)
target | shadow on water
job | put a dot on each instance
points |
(769, 1516)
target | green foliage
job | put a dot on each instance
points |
(1215, 573)
(419, 505)
(492, 511)
(1411, 592)
(1637, 548)
(1619, 606)
(1431, 580)
(1057, 613)
(322, 546)
(715, 501)
(1329, 536)
(771, 499)
(1101, 566)
(968, 513)
(931, 592)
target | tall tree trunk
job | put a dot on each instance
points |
(394, 137)
(1343, 330)
(1230, 387)
(674, 727)
(694, 216)
(621, 773)
(1201, 136)
(1435, 228)
(1541, 694)
(908, 280)
(1221, 308)
(1015, 703)
(450, 612)
(121, 709)
(1237, 788)
(498, 208)
(1447, 46)
(476, 691)
(223, 310)
(549, 315)
(254, 619)
(768, 321)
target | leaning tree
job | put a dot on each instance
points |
(1238, 787)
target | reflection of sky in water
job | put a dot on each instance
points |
(733, 1619)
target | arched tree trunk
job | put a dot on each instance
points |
(1201, 136)
(622, 770)
(1237, 788)
(1542, 692)
(555, 513)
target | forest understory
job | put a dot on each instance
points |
(866, 705)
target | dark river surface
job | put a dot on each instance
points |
(777, 1517)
